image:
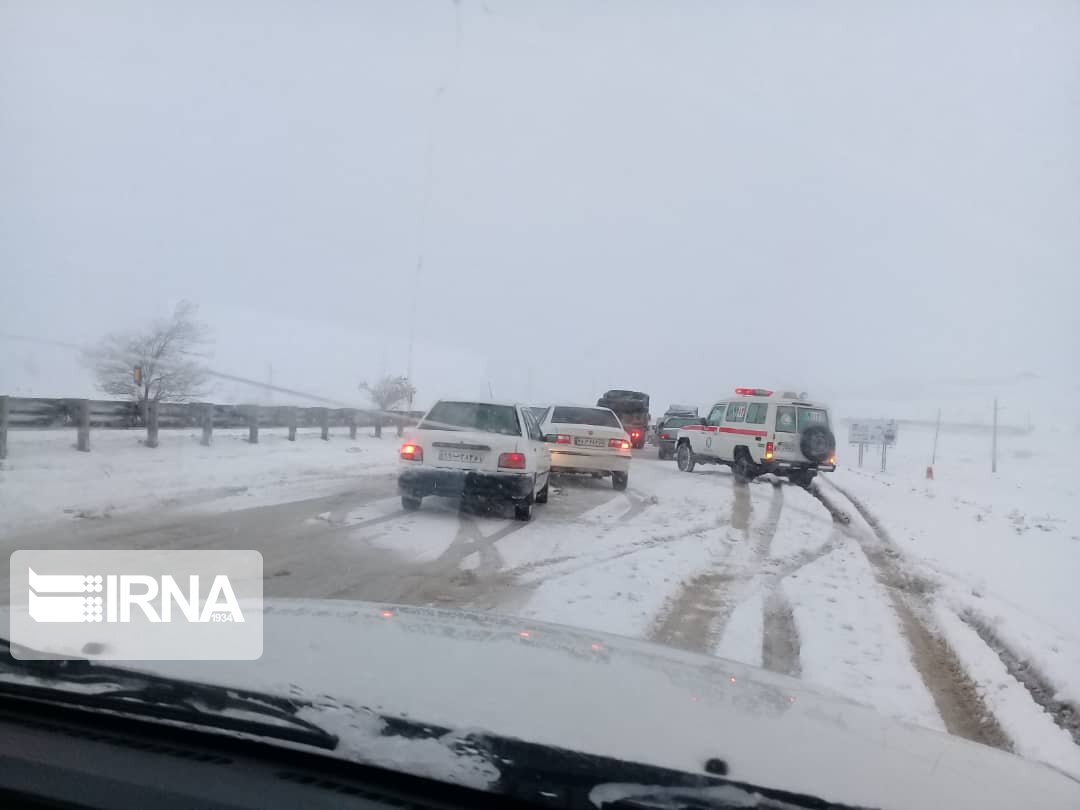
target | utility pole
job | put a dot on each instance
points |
(993, 448)
(937, 430)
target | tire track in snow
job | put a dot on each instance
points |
(955, 694)
(779, 637)
(442, 581)
(638, 504)
(614, 554)
(1066, 715)
(780, 642)
(696, 616)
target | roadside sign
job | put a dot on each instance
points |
(873, 431)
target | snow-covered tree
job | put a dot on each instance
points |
(387, 393)
(162, 363)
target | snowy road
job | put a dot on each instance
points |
(807, 584)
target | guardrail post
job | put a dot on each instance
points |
(253, 424)
(4, 410)
(292, 424)
(207, 424)
(324, 415)
(151, 424)
(352, 424)
(82, 440)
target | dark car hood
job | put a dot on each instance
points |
(615, 697)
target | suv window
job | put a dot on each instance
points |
(736, 411)
(716, 415)
(812, 416)
(597, 417)
(756, 413)
(785, 419)
(481, 416)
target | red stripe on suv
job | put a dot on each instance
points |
(714, 429)
(744, 431)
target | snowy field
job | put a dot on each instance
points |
(948, 603)
(44, 479)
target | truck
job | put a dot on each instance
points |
(632, 408)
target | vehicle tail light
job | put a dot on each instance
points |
(412, 452)
(512, 461)
(832, 460)
(664, 436)
(562, 438)
(619, 444)
(635, 434)
(768, 451)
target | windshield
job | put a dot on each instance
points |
(600, 417)
(472, 416)
(282, 285)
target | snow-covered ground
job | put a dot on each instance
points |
(949, 603)
(1002, 554)
(44, 479)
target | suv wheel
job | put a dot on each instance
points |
(684, 457)
(410, 503)
(817, 443)
(801, 478)
(744, 468)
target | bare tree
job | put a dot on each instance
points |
(386, 393)
(160, 364)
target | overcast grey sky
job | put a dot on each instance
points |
(673, 196)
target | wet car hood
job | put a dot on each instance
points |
(614, 697)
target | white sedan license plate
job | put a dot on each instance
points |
(462, 456)
(581, 441)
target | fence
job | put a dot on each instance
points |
(85, 414)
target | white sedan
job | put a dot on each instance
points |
(587, 440)
(488, 450)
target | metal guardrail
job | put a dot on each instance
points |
(84, 414)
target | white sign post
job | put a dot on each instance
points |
(873, 431)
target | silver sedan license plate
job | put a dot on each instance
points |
(461, 456)
(582, 441)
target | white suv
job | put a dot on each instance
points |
(482, 449)
(756, 432)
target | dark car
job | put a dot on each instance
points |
(666, 433)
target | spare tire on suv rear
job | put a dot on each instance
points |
(817, 443)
